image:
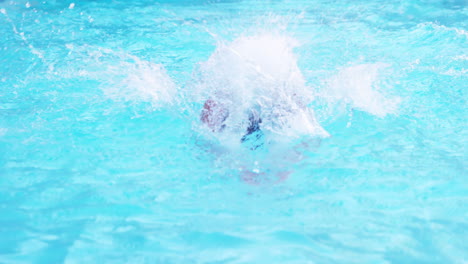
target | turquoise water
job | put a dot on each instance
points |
(363, 158)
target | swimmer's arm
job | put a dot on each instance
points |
(213, 115)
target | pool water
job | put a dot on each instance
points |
(362, 157)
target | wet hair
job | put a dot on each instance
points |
(253, 134)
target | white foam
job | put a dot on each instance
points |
(359, 86)
(259, 72)
(126, 77)
(146, 81)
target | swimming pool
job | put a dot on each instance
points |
(103, 157)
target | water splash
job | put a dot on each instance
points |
(143, 80)
(259, 73)
(123, 77)
(359, 86)
(21, 35)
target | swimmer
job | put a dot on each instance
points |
(215, 114)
